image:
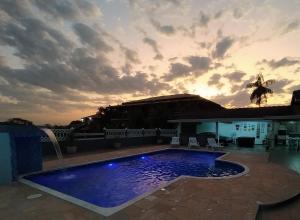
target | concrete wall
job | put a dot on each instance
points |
(92, 145)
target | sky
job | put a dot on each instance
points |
(62, 59)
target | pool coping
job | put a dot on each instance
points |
(112, 210)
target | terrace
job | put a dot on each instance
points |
(273, 177)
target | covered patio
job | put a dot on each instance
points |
(264, 127)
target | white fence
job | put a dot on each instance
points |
(115, 133)
(168, 132)
(88, 136)
(150, 132)
(62, 134)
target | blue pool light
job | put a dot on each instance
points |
(110, 165)
(143, 157)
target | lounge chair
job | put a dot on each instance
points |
(175, 141)
(193, 142)
(213, 144)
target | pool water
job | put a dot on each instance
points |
(114, 182)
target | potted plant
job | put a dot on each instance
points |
(70, 146)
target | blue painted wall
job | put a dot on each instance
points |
(25, 149)
(6, 174)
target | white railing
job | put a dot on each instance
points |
(150, 132)
(115, 133)
(168, 132)
(88, 136)
(62, 134)
(135, 132)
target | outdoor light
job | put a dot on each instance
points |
(110, 164)
(143, 157)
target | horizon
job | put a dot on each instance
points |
(61, 60)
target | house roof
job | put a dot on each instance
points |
(171, 98)
(296, 98)
(271, 112)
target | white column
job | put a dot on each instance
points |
(178, 129)
(217, 132)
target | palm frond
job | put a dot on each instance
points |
(269, 82)
(250, 85)
(259, 94)
(267, 90)
(260, 77)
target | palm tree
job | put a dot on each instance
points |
(259, 94)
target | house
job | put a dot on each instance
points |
(152, 112)
(259, 123)
(193, 115)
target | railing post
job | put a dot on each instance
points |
(143, 132)
(104, 130)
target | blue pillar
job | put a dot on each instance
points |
(20, 151)
(6, 174)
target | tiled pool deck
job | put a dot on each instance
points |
(187, 198)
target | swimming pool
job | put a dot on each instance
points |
(108, 185)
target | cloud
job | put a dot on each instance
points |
(131, 55)
(215, 80)
(284, 62)
(188, 31)
(153, 44)
(222, 47)
(279, 85)
(34, 40)
(203, 19)
(177, 70)
(239, 99)
(156, 6)
(57, 69)
(293, 25)
(236, 76)
(16, 9)
(237, 13)
(164, 29)
(218, 14)
(198, 65)
(68, 9)
(2, 61)
(89, 36)
(294, 88)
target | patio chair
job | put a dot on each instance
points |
(193, 142)
(213, 144)
(175, 141)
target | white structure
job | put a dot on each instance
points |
(193, 142)
(175, 141)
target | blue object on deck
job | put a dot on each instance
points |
(25, 149)
(112, 183)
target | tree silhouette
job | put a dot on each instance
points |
(259, 94)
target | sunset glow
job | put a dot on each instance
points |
(61, 60)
